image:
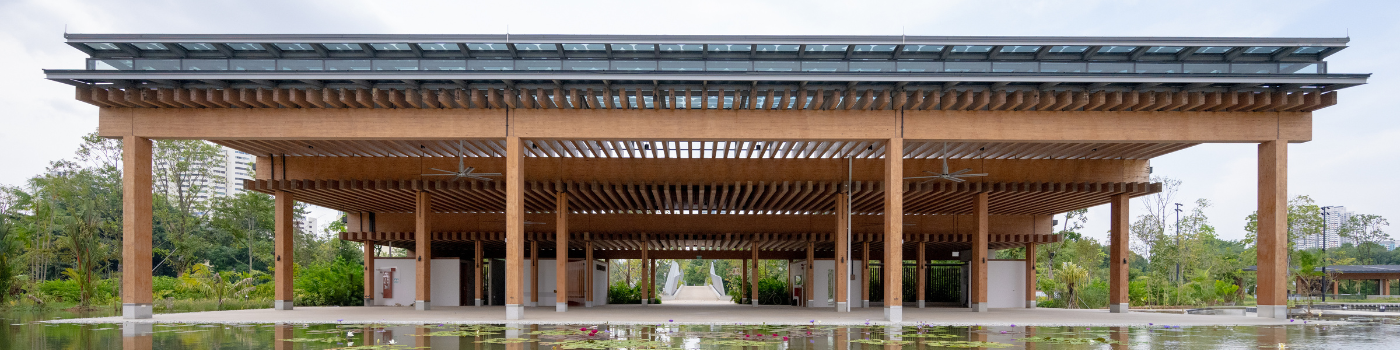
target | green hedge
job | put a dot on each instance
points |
(621, 293)
(337, 283)
(771, 291)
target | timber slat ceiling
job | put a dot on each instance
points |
(855, 98)
(700, 241)
(670, 149)
(747, 197)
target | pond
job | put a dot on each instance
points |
(24, 331)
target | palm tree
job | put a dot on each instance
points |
(1071, 276)
(214, 285)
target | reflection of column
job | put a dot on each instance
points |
(369, 272)
(137, 336)
(561, 253)
(136, 228)
(1273, 229)
(978, 299)
(894, 230)
(841, 341)
(282, 265)
(1120, 335)
(843, 254)
(1031, 283)
(1118, 254)
(515, 228)
(423, 341)
(1030, 333)
(423, 238)
(1271, 336)
(282, 335)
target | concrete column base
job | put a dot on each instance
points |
(137, 311)
(978, 307)
(894, 313)
(532, 304)
(561, 307)
(1118, 308)
(754, 302)
(1031, 304)
(134, 329)
(646, 301)
(588, 303)
(478, 302)
(514, 311)
(1273, 311)
(422, 305)
(811, 302)
(369, 301)
(865, 303)
(921, 304)
(842, 306)
(283, 305)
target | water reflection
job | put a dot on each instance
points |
(30, 334)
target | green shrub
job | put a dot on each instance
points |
(771, 291)
(621, 293)
(339, 283)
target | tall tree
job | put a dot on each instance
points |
(183, 181)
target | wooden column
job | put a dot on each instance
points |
(561, 252)
(1118, 253)
(283, 212)
(534, 274)
(1272, 234)
(843, 255)
(136, 228)
(978, 261)
(743, 279)
(807, 280)
(369, 273)
(515, 228)
(1336, 284)
(1031, 282)
(476, 273)
(894, 230)
(921, 270)
(423, 241)
(865, 274)
(588, 273)
(753, 286)
(1385, 287)
(646, 270)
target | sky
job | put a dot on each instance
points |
(1348, 163)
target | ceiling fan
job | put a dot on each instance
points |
(462, 169)
(945, 175)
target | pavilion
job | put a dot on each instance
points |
(717, 147)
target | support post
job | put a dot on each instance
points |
(423, 239)
(807, 279)
(743, 280)
(978, 300)
(476, 273)
(753, 284)
(843, 255)
(588, 269)
(284, 209)
(894, 230)
(515, 228)
(1118, 254)
(561, 253)
(921, 271)
(865, 274)
(534, 274)
(136, 228)
(1272, 234)
(369, 272)
(646, 270)
(1031, 282)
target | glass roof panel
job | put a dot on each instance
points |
(874, 48)
(923, 48)
(198, 46)
(487, 47)
(585, 47)
(1020, 49)
(1068, 49)
(681, 47)
(777, 48)
(971, 49)
(295, 47)
(826, 47)
(536, 47)
(1261, 50)
(391, 47)
(342, 47)
(245, 46)
(633, 47)
(1117, 49)
(1310, 50)
(102, 46)
(730, 48)
(1164, 49)
(1214, 49)
(150, 46)
(438, 46)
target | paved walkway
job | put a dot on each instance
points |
(697, 295)
(692, 314)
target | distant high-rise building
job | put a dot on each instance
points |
(1389, 245)
(1334, 217)
(226, 178)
